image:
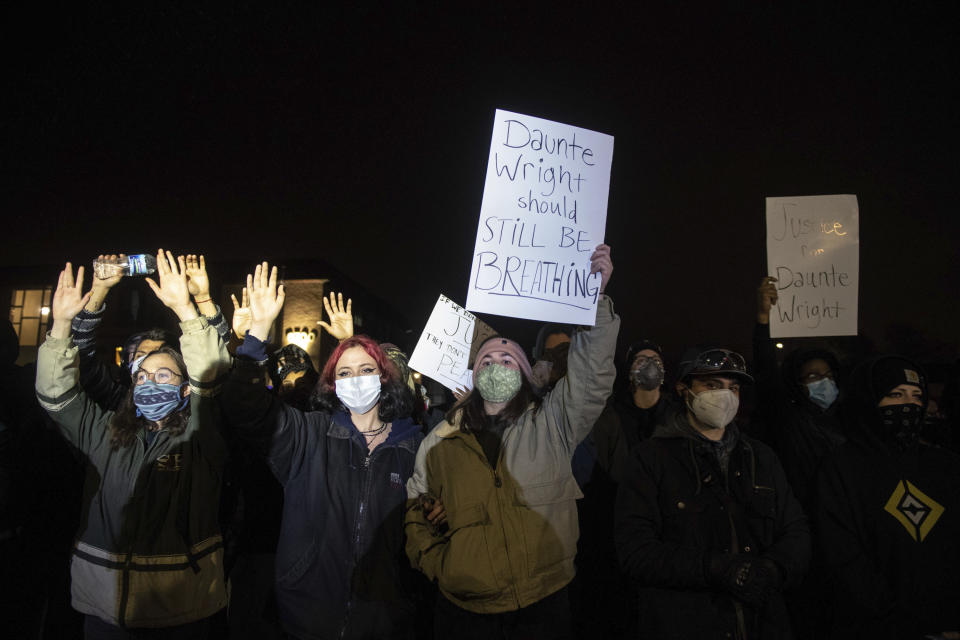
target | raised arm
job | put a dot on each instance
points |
(199, 284)
(204, 350)
(95, 377)
(256, 416)
(58, 388)
(579, 397)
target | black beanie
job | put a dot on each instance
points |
(892, 372)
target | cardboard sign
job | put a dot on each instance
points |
(813, 250)
(448, 344)
(544, 212)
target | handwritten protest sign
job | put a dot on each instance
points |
(543, 213)
(448, 344)
(813, 250)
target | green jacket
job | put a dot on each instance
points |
(149, 551)
(513, 530)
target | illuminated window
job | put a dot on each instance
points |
(30, 314)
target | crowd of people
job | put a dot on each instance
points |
(221, 486)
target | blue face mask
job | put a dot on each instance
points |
(823, 392)
(156, 401)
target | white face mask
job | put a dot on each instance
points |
(359, 393)
(715, 408)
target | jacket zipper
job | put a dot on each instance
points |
(735, 547)
(361, 511)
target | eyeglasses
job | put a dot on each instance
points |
(816, 376)
(719, 360)
(160, 376)
(639, 361)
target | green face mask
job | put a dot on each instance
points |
(496, 383)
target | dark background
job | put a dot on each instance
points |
(360, 137)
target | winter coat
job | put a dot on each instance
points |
(149, 553)
(339, 564)
(676, 508)
(802, 433)
(513, 528)
(889, 528)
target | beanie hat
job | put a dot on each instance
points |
(642, 345)
(497, 343)
(892, 372)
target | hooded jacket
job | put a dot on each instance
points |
(801, 432)
(513, 530)
(340, 565)
(676, 508)
(149, 552)
(889, 527)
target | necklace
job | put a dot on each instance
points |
(373, 433)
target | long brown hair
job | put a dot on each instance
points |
(125, 424)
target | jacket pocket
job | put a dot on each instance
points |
(761, 513)
(548, 517)
(467, 569)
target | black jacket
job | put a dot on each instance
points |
(801, 433)
(889, 528)
(676, 508)
(340, 560)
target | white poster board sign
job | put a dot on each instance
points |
(813, 250)
(447, 344)
(543, 213)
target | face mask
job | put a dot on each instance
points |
(359, 393)
(715, 408)
(647, 376)
(156, 401)
(902, 422)
(823, 392)
(497, 383)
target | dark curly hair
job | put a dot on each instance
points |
(125, 424)
(396, 401)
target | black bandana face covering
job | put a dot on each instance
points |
(902, 422)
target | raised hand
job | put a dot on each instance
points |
(601, 263)
(766, 298)
(173, 290)
(67, 301)
(242, 318)
(341, 320)
(197, 281)
(266, 300)
(100, 286)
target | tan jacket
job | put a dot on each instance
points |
(513, 530)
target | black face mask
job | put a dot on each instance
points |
(902, 423)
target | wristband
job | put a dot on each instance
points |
(201, 301)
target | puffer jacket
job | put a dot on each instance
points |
(149, 553)
(676, 507)
(340, 567)
(513, 529)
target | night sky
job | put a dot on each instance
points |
(360, 136)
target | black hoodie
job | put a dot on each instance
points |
(889, 527)
(801, 432)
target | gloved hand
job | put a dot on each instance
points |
(750, 579)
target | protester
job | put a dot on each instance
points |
(706, 522)
(799, 404)
(343, 469)
(95, 378)
(149, 552)
(888, 518)
(500, 462)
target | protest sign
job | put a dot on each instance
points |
(813, 250)
(448, 344)
(543, 213)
